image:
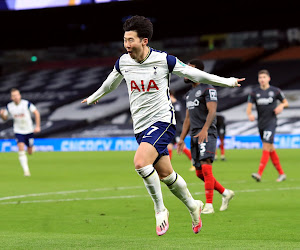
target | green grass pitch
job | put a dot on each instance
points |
(95, 200)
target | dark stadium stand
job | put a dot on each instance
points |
(58, 87)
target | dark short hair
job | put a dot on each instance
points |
(198, 63)
(13, 90)
(264, 71)
(141, 25)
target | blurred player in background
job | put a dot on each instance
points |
(265, 98)
(147, 75)
(201, 104)
(179, 121)
(221, 129)
(20, 110)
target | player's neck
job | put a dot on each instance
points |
(265, 86)
(17, 102)
(144, 54)
(195, 84)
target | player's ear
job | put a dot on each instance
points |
(145, 41)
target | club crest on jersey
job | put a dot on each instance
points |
(143, 87)
(271, 93)
(198, 93)
(155, 70)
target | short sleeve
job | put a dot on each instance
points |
(251, 98)
(171, 61)
(31, 107)
(280, 96)
(117, 66)
(211, 95)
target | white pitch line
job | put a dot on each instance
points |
(68, 192)
(136, 196)
(259, 190)
(104, 189)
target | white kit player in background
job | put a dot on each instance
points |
(20, 110)
(147, 75)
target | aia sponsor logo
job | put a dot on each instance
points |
(142, 86)
(19, 115)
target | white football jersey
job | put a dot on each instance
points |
(21, 115)
(148, 86)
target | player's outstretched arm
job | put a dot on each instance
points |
(112, 82)
(197, 75)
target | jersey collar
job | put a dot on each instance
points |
(146, 57)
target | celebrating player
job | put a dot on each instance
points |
(179, 121)
(20, 110)
(146, 72)
(201, 104)
(265, 98)
(221, 129)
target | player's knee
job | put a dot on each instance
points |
(199, 174)
(21, 153)
(206, 169)
(139, 163)
(268, 147)
(170, 179)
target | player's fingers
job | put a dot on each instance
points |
(179, 150)
(239, 80)
(83, 101)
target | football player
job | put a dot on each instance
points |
(147, 75)
(200, 119)
(266, 97)
(20, 110)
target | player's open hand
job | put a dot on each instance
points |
(238, 80)
(202, 136)
(180, 146)
(85, 101)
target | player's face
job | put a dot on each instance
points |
(16, 96)
(263, 79)
(134, 44)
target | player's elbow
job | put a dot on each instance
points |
(4, 118)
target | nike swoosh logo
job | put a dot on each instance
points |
(145, 136)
